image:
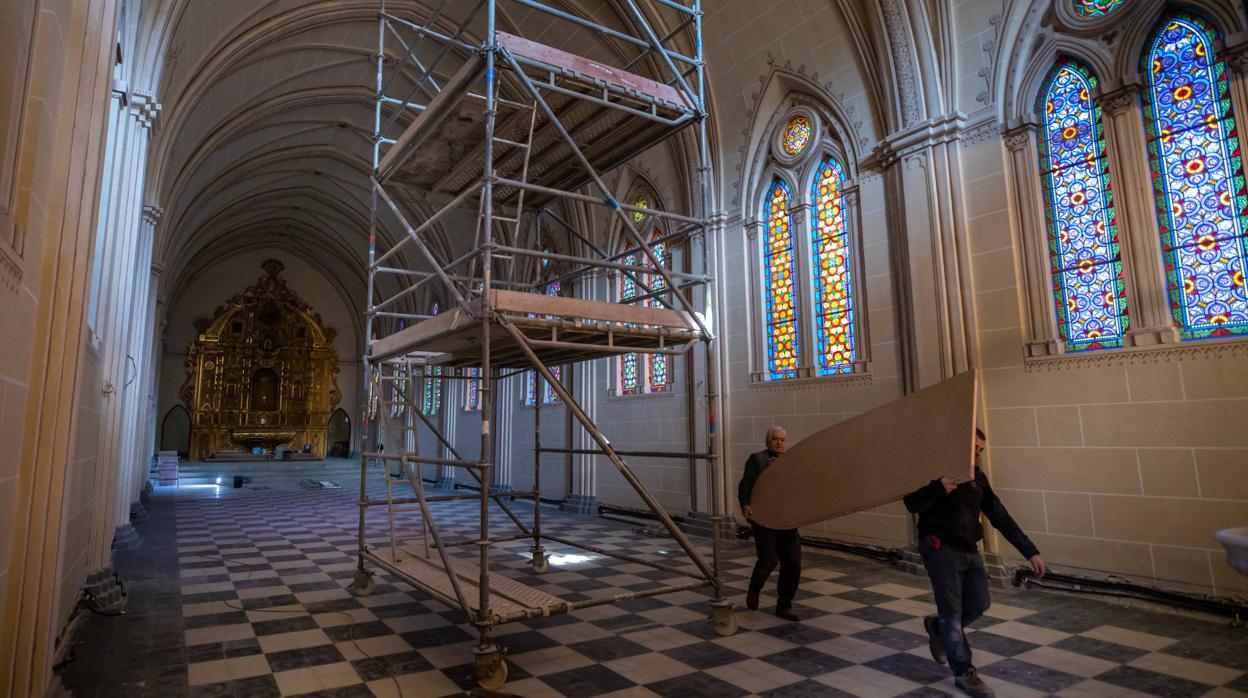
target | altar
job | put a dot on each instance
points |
(261, 376)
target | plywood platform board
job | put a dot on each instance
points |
(872, 459)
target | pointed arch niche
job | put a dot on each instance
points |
(803, 231)
(1128, 181)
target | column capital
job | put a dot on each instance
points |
(152, 213)
(1017, 137)
(1237, 59)
(1123, 98)
(752, 228)
(145, 108)
(157, 268)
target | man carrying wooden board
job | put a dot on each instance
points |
(949, 533)
(773, 545)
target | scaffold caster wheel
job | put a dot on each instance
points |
(364, 584)
(725, 620)
(541, 565)
(491, 670)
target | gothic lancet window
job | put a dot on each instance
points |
(472, 395)
(431, 391)
(833, 283)
(1085, 262)
(549, 397)
(780, 291)
(643, 373)
(1198, 178)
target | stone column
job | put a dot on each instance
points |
(586, 389)
(1148, 301)
(930, 250)
(134, 461)
(504, 413)
(120, 226)
(451, 401)
(1027, 203)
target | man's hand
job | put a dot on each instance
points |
(749, 513)
(951, 483)
(1037, 566)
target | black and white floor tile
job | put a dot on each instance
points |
(245, 593)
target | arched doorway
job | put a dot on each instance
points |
(339, 434)
(175, 431)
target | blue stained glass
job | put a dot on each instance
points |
(1085, 264)
(431, 393)
(530, 388)
(1096, 8)
(1198, 179)
(629, 376)
(549, 397)
(472, 400)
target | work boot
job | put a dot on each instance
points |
(972, 685)
(784, 609)
(932, 624)
(751, 600)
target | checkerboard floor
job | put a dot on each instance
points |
(245, 594)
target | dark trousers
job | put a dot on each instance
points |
(960, 585)
(782, 546)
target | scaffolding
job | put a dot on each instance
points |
(518, 126)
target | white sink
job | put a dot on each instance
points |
(1235, 540)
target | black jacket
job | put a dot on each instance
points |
(954, 517)
(754, 465)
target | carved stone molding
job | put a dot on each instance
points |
(1151, 355)
(981, 132)
(152, 213)
(10, 271)
(1016, 138)
(903, 64)
(1237, 58)
(157, 269)
(847, 380)
(1120, 99)
(145, 109)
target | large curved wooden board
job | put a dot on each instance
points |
(872, 459)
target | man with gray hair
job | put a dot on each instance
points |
(773, 545)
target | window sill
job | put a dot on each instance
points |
(861, 375)
(1150, 353)
(664, 395)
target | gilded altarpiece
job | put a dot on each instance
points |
(263, 373)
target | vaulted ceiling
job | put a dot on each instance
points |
(265, 138)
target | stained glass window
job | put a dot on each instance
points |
(472, 396)
(1085, 262)
(398, 391)
(629, 376)
(780, 292)
(530, 388)
(431, 394)
(833, 287)
(530, 378)
(641, 202)
(545, 261)
(644, 373)
(549, 397)
(656, 373)
(1198, 179)
(374, 392)
(1096, 8)
(796, 135)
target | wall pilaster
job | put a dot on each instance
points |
(1147, 299)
